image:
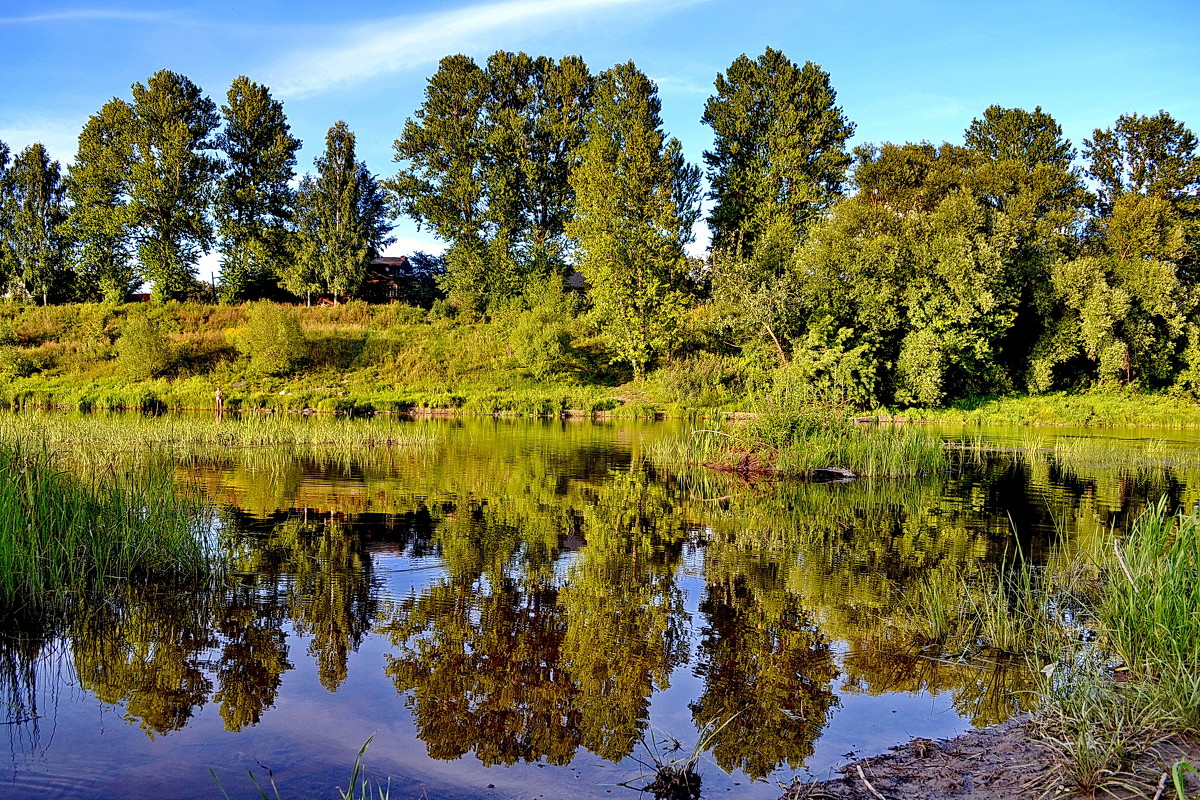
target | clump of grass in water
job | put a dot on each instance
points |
(800, 439)
(357, 790)
(672, 774)
(1150, 607)
(60, 536)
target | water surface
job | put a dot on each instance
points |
(527, 609)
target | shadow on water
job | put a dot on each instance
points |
(548, 599)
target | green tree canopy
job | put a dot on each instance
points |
(172, 176)
(779, 148)
(100, 222)
(343, 221)
(254, 202)
(1014, 134)
(486, 161)
(636, 202)
(33, 193)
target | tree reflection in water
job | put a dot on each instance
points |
(556, 613)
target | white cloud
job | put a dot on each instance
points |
(386, 46)
(88, 15)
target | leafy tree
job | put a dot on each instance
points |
(343, 222)
(254, 199)
(1154, 156)
(778, 160)
(1028, 175)
(171, 179)
(1126, 306)
(636, 202)
(34, 196)
(485, 166)
(909, 281)
(6, 255)
(779, 149)
(100, 222)
(1014, 134)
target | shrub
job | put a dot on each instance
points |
(17, 364)
(541, 342)
(143, 350)
(272, 339)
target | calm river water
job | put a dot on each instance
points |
(526, 609)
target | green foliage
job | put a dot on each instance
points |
(342, 219)
(171, 179)
(272, 340)
(16, 364)
(60, 537)
(485, 165)
(100, 224)
(254, 200)
(1014, 134)
(144, 349)
(32, 245)
(779, 149)
(636, 201)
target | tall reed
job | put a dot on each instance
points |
(798, 441)
(61, 536)
(1151, 608)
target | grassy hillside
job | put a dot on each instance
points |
(358, 358)
(350, 358)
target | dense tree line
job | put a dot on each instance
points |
(165, 177)
(908, 273)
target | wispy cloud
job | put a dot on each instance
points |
(392, 45)
(89, 15)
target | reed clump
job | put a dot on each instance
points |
(1129, 613)
(97, 437)
(799, 440)
(1151, 609)
(62, 537)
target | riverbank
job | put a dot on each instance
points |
(1008, 761)
(362, 359)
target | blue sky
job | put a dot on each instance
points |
(904, 71)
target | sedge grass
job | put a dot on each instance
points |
(1151, 609)
(88, 437)
(61, 536)
(799, 441)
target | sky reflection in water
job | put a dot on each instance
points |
(504, 612)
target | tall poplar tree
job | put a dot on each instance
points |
(1028, 173)
(779, 150)
(254, 202)
(100, 222)
(343, 221)
(1014, 134)
(636, 200)
(35, 211)
(6, 257)
(485, 162)
(172, 177)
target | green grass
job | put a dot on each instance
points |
(1135, 605)
(797, 441)
(1103, 408)
(1151, 609)
(61, 537)
(101, 439)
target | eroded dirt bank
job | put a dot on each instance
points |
(998, 763)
